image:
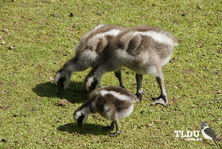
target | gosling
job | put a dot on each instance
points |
(88, 53)
(143, 49)
(112, 103)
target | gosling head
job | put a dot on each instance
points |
(80, 117)
(62, 79)
(91, 83)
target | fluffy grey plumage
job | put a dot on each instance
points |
(88, 53)
(112, 103)
(143, 49)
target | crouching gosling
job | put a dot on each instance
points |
(112, 103)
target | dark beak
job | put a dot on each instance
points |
(80, 120)
(61, 90)
(79, 125)
(61, 85)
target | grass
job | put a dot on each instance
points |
(44, 37)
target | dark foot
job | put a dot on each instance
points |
(160, 100)
(113, 134)
(139, 95)
(107, 128)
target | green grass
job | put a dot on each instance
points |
(44, 36)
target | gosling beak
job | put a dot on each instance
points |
(61, 85)
(79, 123)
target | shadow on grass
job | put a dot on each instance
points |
(74, 94)
(87, 129)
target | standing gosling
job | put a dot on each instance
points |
(112, 103)
(88, 53)
(143, 49)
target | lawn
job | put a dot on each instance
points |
(38, 36)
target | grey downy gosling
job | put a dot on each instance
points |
(112, 103)
(143, 49)
(88, 53)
